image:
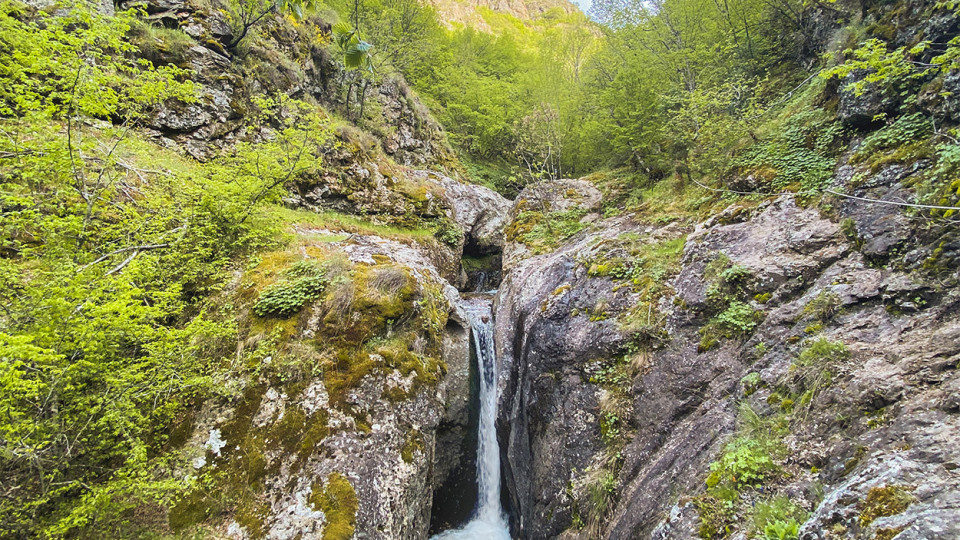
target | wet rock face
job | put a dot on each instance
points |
(887, 419)
(455, 471)
(548, 349)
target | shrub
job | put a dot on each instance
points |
(304, 282)
(745, 461)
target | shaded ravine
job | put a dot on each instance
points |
(489, 521)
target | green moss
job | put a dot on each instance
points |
(560, 290)
(763, 298)
(887, 533)
(316, 431)
(486, 263)
(412, 445)
(237, 475)
(338, 502)
(813, 328)
(885, 501)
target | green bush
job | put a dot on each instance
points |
(304, 281)
(745, 461)
(777, 518)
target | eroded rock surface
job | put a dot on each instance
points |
(887, 418)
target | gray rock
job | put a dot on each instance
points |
(478, 210)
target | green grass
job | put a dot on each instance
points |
(336, 221)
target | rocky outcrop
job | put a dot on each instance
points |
(284, 62)
(886, 421)
(357, 442)
(481, 212)
(467, 13)
(556, 196)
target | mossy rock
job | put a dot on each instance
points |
(885, 501)
(338, 502)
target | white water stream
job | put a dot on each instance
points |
(488, 522)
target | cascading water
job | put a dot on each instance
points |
(489, 521)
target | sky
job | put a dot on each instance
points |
(584, 4)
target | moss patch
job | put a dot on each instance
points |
(412, 445)
(885, 501)
(338, 502)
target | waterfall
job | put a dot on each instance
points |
(489, 521)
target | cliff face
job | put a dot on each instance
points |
(468, 12)
(585, 407)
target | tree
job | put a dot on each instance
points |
(242, 15)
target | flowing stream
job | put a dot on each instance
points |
(489, 521)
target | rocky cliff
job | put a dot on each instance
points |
(772, 366)
(469, 12)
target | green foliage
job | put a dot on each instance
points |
(112, 249)
(244, 15)
(716, 516)
(903, 131)
(543, 231)
(745, 461)
(891, 71)
(800, 156)
(823, 351)
(751, 381)
(304, 282)
(736, 321)
(449, 233)
(824, 306)
(356, 51)
(781, 530)
(79, 63)
(777, 518)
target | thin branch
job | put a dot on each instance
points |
(144, 247)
